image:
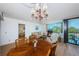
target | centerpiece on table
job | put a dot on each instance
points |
(35, 43)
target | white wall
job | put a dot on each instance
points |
(9, 29)
(0, 31)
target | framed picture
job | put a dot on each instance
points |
(36, 28)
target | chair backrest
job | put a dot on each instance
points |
(20, 42)
(32, 37)
(53, 50)
(54, 37)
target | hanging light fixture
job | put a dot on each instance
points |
(40, 11)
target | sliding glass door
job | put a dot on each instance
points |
(73, 31)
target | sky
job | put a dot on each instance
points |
(50, 26)
(74, 23)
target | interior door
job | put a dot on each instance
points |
(21, 30)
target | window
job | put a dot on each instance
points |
(73, 31)
(55, 27)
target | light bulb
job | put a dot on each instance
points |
(44, 7)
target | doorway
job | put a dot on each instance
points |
(21, 31)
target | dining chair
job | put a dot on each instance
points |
(21, 42)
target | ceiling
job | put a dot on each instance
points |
(56, 11)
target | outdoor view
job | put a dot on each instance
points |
(73, 31)
(55, 27)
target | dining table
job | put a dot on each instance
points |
(43, 48)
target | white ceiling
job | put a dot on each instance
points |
(56, 11)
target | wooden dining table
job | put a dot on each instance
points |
(43, 48)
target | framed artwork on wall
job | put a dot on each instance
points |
(36, 28)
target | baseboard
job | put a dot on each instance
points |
(7, 44)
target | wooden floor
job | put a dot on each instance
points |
(61, 50)
(67, 50)
(5, 49)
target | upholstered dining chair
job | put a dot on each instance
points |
(32, 37)
(53, 50)
(21, 42)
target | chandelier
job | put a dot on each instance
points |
(40, 11)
